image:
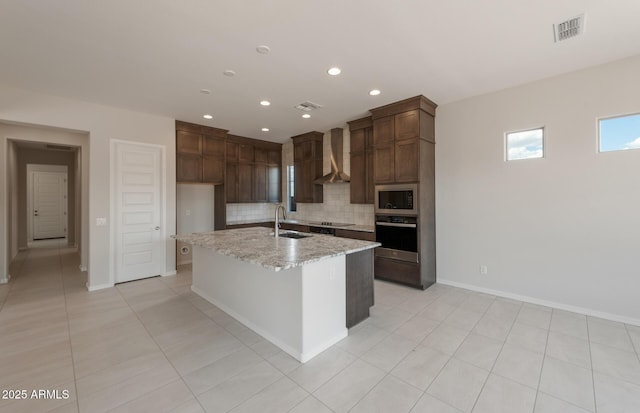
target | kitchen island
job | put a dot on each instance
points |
(293, 292)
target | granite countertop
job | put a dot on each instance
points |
(360, 228)
(256, 245)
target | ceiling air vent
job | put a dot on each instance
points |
(568, 28)
(307, 106)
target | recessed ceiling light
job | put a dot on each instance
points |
(229, 73)
(374, 92)
(265, 129)
(207, 116)
(262, 49)
(334, 71)
(205, 91)
(265, 102)
(306, 116)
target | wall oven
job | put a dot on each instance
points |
(398, 235)
(397, 199)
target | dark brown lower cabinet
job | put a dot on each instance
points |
(399, 271)
(359, 286)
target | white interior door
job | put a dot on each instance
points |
(49, 216)
(139, 247)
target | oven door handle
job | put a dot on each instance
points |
(394, 224)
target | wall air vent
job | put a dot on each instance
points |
(307, 106)
(569, 28)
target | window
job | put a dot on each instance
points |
(620, 133)
(291, 202)
(525, 144)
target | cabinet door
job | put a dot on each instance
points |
(212, 146)
(231, 182)
(232, 151)
(407, 160)
(213, 169)
(305, 189)
(188, 143)
(300, 192)
(357, 140)
(303, 151)
(260, 182)
(275, 157)
(369, 193)
(407, 125)
(274, 183)
(245, 182)
(383, 131)
(383, 164)
(189, 168)
(358, 177)
(261, 155)
(245, 153)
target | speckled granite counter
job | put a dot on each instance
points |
(355, 227)
(256, 245)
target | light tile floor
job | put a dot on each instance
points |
(153, 345)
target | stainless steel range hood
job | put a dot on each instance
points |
(336, 175)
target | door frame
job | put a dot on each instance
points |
(31, 168)
(113, 208)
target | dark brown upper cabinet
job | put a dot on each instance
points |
(399, 130)
(253, 170)
(307, 164)
(361, 156)
(200, 156)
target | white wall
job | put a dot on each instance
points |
(195, 213)
(561, 230)
(103, 124)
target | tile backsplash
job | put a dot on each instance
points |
(336, 208)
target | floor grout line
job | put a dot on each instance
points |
(66, 308)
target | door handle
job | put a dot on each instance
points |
(157, 228)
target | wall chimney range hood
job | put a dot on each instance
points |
(336, 175)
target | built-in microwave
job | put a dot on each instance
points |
(396, 199)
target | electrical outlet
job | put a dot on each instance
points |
(483, 270)
(187, 212)
(101, 222)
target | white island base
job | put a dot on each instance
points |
(302, 310)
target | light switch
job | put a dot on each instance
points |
(187, 212)
(101, 222)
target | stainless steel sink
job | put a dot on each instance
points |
(294, 235)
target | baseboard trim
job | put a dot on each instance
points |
(168, 273)
(83, 269)
(546, 303)
(99, 286)
(5, 280)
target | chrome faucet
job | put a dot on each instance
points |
(277, 223)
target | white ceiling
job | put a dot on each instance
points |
(154, 56)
